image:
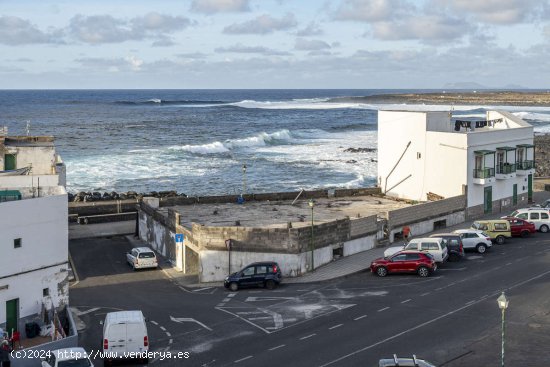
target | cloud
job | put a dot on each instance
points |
(312, 29)
(427, 28)
(99, 29)
(500, 11)
(112, 65)
(311, 45)
(219, 6)
(239, 48)
(16, 31)
(546, 32)
(192, 56)
(262, 24)
(372, 10)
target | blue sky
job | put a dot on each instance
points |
(274, 43)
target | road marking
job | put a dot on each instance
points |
(231, 295)
(242, 359)
(221, 304)
(335, 326)
(277, 347)
(457, 269)
(302, 290)
(405, 301)
(425, 294)
(260, 318)
(162, 328)
(256, 299)
(440, 288)
(154, 323)
(187, 319)
(307, 337)
(383, 309)
(80, 313)
(359, 318)
(508, 264)
(226, 299)
(431, 321)
(249, 312)
(168, 334)
(170, 341)
(471, 302)
(201, 289)
(485, 296)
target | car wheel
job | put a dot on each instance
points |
(270, 284)
(381, 271)
(423, 271)
(500, 240)
(233, 286)
(524, 234)
(481, 248)
(544, 228)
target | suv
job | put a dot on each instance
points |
(475, 240)
(263, 274)
(142, 257)
(404, 362)
(404, 262)
(498, 230)
(520, 227)
(539, 216)
(434, 246)
(453, 241)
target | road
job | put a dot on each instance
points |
(451, 319)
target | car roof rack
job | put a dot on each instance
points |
(414, 361)
(396, 361)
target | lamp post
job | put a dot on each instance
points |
(311, 205)
(244, 179)
(503, 305)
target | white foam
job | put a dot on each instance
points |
(155, 100)
(211, 148)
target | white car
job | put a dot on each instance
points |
(539, 216)
(73, 357)
(475, 240)
(434, 246)
(142, 257)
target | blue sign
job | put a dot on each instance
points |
(179, 237)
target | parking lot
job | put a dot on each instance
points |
(450, 318)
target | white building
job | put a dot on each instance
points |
(490, 159)
(33, 230)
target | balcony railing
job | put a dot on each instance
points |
(484, 173)
(525, 165)
(506, 168)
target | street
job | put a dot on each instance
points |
(450, 319)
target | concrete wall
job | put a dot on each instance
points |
(43, 159)
(157, 234)
(427, 225)
(28, 181)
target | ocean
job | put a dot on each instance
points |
(197, 141)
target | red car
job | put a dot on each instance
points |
(520, 227)
(418, 262)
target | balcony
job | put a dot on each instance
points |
(484, 176)
(525, 168)
(506, 171)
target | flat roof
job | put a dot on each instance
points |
(276, 214)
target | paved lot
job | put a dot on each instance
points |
(451, 319)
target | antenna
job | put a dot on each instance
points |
(28, 128)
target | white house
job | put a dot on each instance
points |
(489, 158)
(33, 230)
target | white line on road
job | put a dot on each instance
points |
(162, 328)
(170, 341)
(335, 326)
(383, 309)
(277, 347)
(154, 323)
(359, 318)
(201, 289)
(242, 359)
(307, 337)
(168, 334)
(231, 295)
(226, 299)
(405, 301)
(260, 318)
(471, 302)
(440, 288)
(508, 264)
(221, 304)
(424, 294)
(187, 319)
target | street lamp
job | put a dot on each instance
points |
(244, 179)
(311, 205)
(503, 305)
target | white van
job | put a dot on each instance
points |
(539, 216)
(124, 336)
(434, 246)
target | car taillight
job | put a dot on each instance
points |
(105, 344)
(145, 341)
(274, 268)
(461, 248)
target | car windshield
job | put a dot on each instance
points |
(513, 213)
(146, 255)
(85, 362)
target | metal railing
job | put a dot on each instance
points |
(506, 168)
(525, 165)
(484, 173)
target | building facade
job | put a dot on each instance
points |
(426, 155)
(33, 230)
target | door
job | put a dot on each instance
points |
(135, 334)
(261, 274)
(9, 162)
(398, 263)
(500, 162)
(247, 277)
(530, 188)
(515, 195)
(116, 335)
(12, 315)
(488, 200)
(534, 217)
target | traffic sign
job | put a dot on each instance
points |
(179, 237)
(228, 244)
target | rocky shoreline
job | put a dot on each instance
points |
(542, 155)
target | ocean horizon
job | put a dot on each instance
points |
(197, 141)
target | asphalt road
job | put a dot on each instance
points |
(451, 319)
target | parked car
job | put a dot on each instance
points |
(262, 274)
(498, 229)
(404, 362)
(453, 242)
(521, 227)
(475, 240)
(142, 257)
(539, 216)
(434, 246)
(124, 336)
(73, 357)
(405, 261)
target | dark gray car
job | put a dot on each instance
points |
(454, 245)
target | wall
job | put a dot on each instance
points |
(412, 214)
(157, 234)
(42, 158)
(425, 226)
(103, 207)
(28, 181)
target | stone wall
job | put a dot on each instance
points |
(416, 213)
(103, 207)
(360, 227)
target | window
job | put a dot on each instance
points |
(400, 257)
(501, 226)
(17, 243)
(248, 271)
(543, 215)
(147, 255)
(534, 215)
(413, 256)
(425, 246)
(261, 269)
(134, 253)
(523, 216)
(45, 292)
(412, 246)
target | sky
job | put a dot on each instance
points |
(242, 44)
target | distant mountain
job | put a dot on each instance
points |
(465, 85)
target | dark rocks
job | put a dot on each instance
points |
(542, 155)
(113, 195)
(360, 150)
